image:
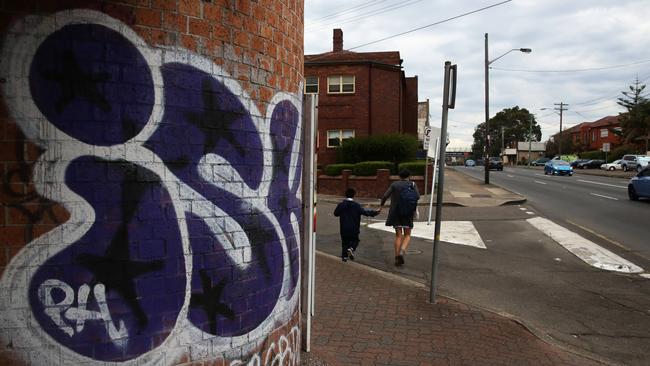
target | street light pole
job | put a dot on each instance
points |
(530, 136)
(561, 109)
(486, 153)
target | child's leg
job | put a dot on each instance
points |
(345, 244)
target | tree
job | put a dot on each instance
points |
(635, 122)
(516, 124)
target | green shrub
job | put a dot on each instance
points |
(396, 148)
(618, 152)
(369, 168)
(335, 169)
(595, 154)
(414, 167)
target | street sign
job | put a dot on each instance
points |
(606, 146)
(426, 138)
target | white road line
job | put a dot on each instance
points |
(536, 181)
(586, 250)
(600, 195)
(455, 232)
(602, 184)
(530, 213)
(510, 176)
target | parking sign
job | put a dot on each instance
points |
(426, 138)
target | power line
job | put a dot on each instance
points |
(372, 13)
(575, 70)
(432, 24)
(357, 7)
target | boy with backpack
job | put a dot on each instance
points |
(349, 213)
(404, 198)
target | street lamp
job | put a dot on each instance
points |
(487, 103)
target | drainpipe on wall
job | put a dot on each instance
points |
(370, 100)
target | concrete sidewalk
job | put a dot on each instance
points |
(459, 190)
(364, 316)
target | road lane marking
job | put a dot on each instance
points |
(602, 184)
(510, 176)
(455, 232)
(600, 236)
(603, 196)
(586, 250)
(536, 181)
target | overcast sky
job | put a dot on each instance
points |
(563, 34)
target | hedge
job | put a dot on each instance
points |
(414, 167)
(595, 154)
(369, 168)
(335, 169)
(393, 147)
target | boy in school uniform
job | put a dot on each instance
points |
(349, 213)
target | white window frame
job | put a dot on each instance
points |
(332, 81)
(307, 84)
(340, 137)
(604, 132)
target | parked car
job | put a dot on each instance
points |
(495, 163)
(591, 164)
(574, 164)
(558, 167)
(629, 161)
(539, 162)
(639, 185)
(614, 165)
(480, 162)
(642, 162)
(470, 162)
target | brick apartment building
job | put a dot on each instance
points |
(360, 94)
(589, 136)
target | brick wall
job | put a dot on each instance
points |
(366, 187)
(150, 161)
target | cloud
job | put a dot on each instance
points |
(563, 35)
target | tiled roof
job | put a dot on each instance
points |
(390, 58)
(605, 121)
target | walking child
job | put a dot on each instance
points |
(349, 213)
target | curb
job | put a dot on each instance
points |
(507, 202)
(538, 333)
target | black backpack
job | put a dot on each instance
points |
(408, 201)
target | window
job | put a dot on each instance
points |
(340, 84)
(335, 137)
(603, 132)
(593, 136)
(311, 85)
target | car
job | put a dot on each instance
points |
(470, 162)
(574, 164)
(480, 162)
(629, 161)
(614, 165)
(539, 162)
(495, 163)
(558, 167)
(639, 186)
(642, 162)
(591, 164)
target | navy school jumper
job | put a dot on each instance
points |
(349, 214)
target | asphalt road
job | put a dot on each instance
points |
(523, 273)
(597, 207)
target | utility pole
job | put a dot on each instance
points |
(561, 109)
(486, 153)
(530, 136)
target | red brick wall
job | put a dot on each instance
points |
(410, 118)
(374, 108)
(139, 141)
(366, 187)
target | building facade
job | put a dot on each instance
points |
(590, 136)
(150, 154)
(359, 94)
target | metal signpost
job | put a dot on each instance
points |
(308, 251)
(425, 146)
(448, 102)
(606, 148)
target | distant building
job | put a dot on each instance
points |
(423, 118)
(589, 136)
(519, 153)
(359, 94)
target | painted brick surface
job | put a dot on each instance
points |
(151, 157)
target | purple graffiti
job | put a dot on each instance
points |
(92, 84)
(132, 249)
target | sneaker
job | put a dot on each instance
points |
(344, 259)
(401, 259)
(351, 253)
(397, 261)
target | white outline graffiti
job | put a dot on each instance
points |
(288, 350)
(19, 48)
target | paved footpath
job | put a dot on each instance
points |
(368, 317)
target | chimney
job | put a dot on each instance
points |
(338, 40)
